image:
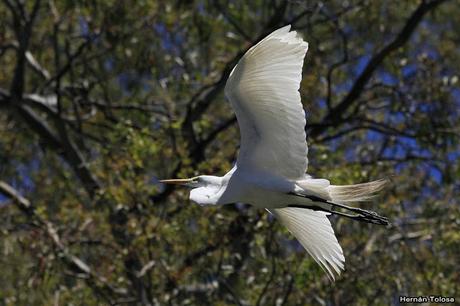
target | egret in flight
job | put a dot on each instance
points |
(270, 171)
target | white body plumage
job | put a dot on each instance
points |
(270, 172)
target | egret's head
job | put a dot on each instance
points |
(205, 188)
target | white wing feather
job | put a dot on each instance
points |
(314, 232)
(263, 89)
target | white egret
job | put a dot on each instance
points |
(270, 171)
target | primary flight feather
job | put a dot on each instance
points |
(270, 171)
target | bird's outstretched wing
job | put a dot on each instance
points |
(263, 89)
(315, 234)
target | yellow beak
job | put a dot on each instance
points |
(178, 181)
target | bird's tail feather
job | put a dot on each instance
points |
(356, 193)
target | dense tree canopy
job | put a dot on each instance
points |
(100, 99)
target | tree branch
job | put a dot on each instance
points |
(334, 117)
(23, 33)
(66, 148)
(231, 20)
(98, 283)
(207, 94)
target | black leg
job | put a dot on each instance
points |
(361, 215)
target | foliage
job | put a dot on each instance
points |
(99, 99)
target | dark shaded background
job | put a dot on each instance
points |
(99, 99)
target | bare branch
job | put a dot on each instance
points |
(260, 299)
(33, 63)
(207, 94)
(66, 67)
(98, 283)
(64, 147)
(36, 66)
(200, 102)
(231, 20)
(202, 145)
(339, 63)
(13, 194)
(335, 116)
(156, 109)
